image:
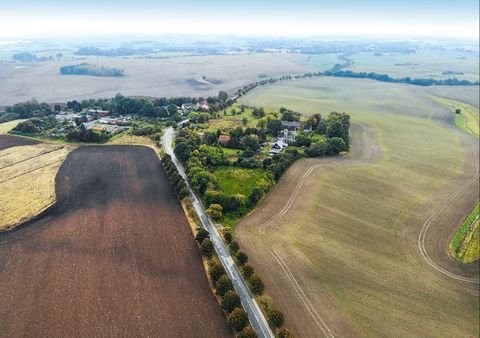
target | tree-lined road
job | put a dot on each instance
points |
(255, 315)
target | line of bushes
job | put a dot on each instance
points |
(275, 318)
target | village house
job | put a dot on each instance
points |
(277, 147)
(187, 108)
(202, 105)
(289, 131)
(101, 113)
(224, 139)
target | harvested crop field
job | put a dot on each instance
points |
(175, 76)
(358, 245)
(115, 257)
(27, 178)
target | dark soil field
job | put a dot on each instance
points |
(113, 258)
(7, 141)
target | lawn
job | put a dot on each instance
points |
(348, 230)
(235, 180)
(465, 243)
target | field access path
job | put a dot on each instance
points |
(255, 315)
(114, 257)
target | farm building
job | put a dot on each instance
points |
(289, 130)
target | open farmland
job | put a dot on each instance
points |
(27, 178)
(176, 76)
(115, 257)
(358, 245)
(424, 63)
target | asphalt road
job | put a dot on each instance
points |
(255, 315)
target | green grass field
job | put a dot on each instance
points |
(465, 244)
(235, 180)
(468, 119)
(350, 237)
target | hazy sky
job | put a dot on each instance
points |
(36, 18)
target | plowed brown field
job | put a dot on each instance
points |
(113, 258)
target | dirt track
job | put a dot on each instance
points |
(7, 141)
(114, 258)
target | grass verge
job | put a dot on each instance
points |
(465, 244)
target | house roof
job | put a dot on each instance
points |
(224, 138)
(290, 124)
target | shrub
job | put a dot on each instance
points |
(230, 301)
(256, 284)
(223, 285)
(238, 319)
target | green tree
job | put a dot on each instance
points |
(242, 257)
(245, 121)
(215, 211)
(255, 196)
(238, 319)
(248, 270)
(276, 318)
(228, 236)
(335, 145)
(201, 235)
(222, 96)
(257, 285)
(230, 301)
(458, 111)
(223, 285)
(252, 142)
(216, 271)
(234, 246)
(206, 248)
(274, 126)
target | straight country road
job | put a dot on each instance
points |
(255, 315)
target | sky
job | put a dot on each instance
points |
(408, 18)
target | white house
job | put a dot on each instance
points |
(278, 147)
(289, 130)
